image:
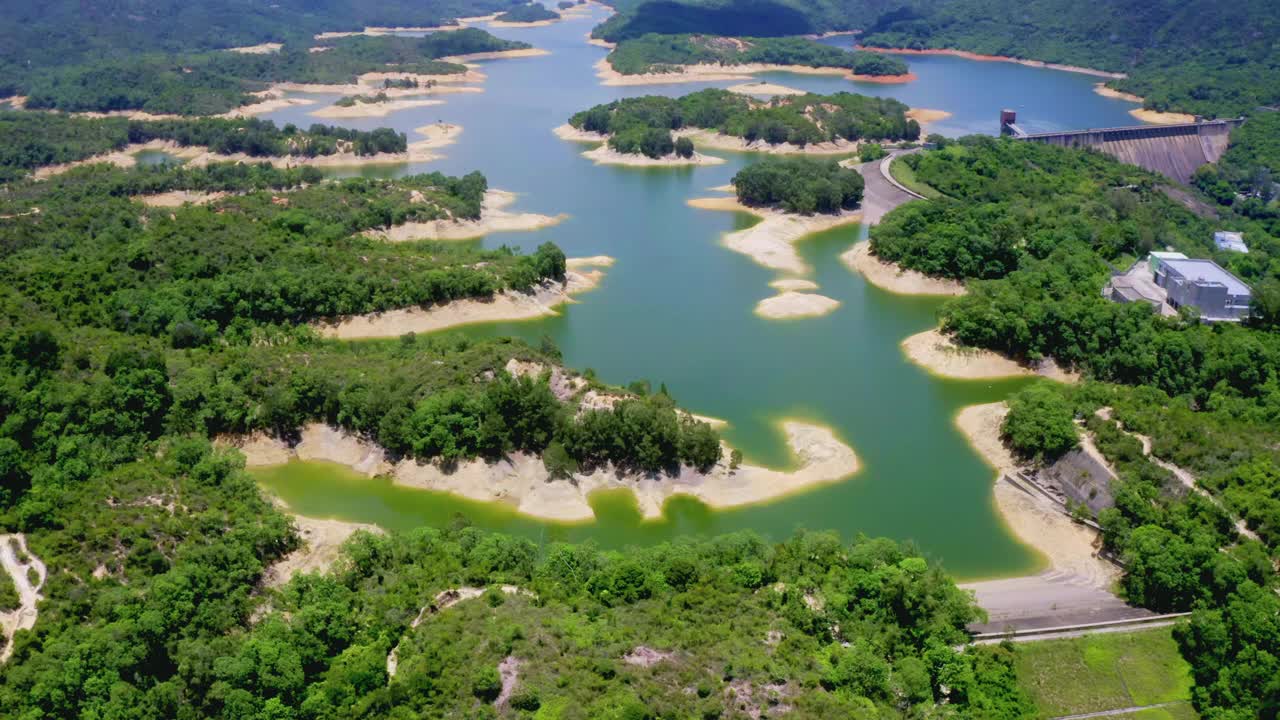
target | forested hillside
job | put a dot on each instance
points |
(1191, 57)
(37, 37)
(1046, 226)
(665, 53)
(214, 82)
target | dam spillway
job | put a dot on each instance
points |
(1175, 151)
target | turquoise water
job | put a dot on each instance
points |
(677, 308)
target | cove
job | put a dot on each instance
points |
(677, 308)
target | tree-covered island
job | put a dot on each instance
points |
(654, 53)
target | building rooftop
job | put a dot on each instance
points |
(1207, 271)
(1233, 241)
(1167, 255)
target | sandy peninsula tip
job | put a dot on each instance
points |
(494, 218)
(771, 242)
(891, 278)
(940, 355)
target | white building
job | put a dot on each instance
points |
(1232, 241)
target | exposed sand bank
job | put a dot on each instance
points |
(791, 304)
(434, 136)
(940, 355)
(1068, 546)
(375, 30)
(270, 102)
(496, 55)
(713, 72)
(494, 217)
(178, 198)
(18, 563)
(995, 58)
(506, 306)
(771, 241)
(372, 82)
(573, 134)
(321, 541)
(891, 278)
(261, 49)
(605, 155)
(924, 116)
(1102, 89)
(1162, 118)
(528, 24)
(763, 88)
(600, 43)
(793, 284)
(522, 481)
(714, 140)
(372, 109)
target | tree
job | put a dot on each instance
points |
(1039, 424)
(684, 147)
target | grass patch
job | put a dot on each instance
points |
(1106, 672)
(904, 174)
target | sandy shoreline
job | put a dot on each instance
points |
(995, 58)
(891, 278)
(793, 304)
(765, 89)
(1162, 118)
(178, 198)
(373, 109)
(321, 541)
(522, 481)
(1102, 89)
(605, 155)
(771, 242)
(714, 140)
(573, 134)
(941, 356)
(506, 306)
(496, 55)
(924, 116)
(494, 218)
(434, 136)
(1066, 545)
(714, 72)
(266, 48)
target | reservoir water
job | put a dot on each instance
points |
(677, 308)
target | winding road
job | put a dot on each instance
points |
(24, 617)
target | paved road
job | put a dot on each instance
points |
(1050, 599)
(881, 193)
(1120, 711)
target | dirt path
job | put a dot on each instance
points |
(1120, 711)
(444, 600)
(23, 618)
(1186, 477)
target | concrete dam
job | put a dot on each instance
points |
(1175, 151)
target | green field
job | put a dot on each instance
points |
(903, 173)
(1107, 672)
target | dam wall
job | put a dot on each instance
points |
(1175, 151)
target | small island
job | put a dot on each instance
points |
(664, 58)
(534, 14)
(655, 126)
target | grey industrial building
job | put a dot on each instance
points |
(1218, 294)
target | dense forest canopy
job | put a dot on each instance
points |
(1191, 57)
(214, 82)
(798, 120)
(799, 185)
(665, 53)
(532, 12)
(38, 37)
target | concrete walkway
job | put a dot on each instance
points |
(1120, 711)
(1048, 600)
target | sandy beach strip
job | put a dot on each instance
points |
(1066, 545)
(793, 284)
(373, 109)
(891, 278)
(605, 155)
(496, 55)
(924, 116)
(434, 136)
(266, 48)
(506, 306)
(764, 89)
(1156, 117)
(600, 43)
(529, 24)
(792, 304)
(494, 218)
(994, 58)
(713, 140)
(178, 198)
(322, 539)
(522, 481)
(771, 241)
(715, 72)
(573, 134)
(270, 101)
(1102, 89)
(942, 356)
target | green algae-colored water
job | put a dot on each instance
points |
(677, 308)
